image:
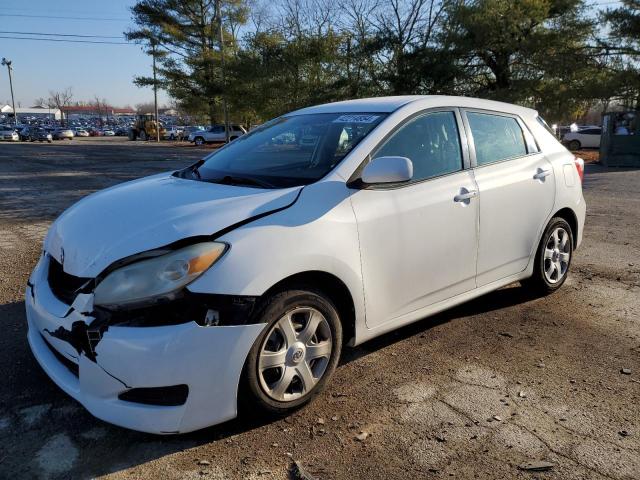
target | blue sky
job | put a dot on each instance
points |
(90, 69)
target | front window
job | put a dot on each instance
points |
(431, 142)
(288, 151)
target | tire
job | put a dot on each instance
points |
(172, 137)
(231, 139)
(552, 263)
(49, 141)
(261, 387)
(574, 145)
(143, 135)
(198, 141)
(132, 135)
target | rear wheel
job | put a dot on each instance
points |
(143, 135)
(296, 354)
(132, 134)
(553, 258)
(574, 145)
(198, 141)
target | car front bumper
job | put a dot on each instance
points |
(209, 360)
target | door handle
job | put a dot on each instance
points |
(465, 195)
(541, 174)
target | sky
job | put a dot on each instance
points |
(90, 69)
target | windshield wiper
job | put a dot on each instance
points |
(237, 180)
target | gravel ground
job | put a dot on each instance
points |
(471, 393)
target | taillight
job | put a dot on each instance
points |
(579, 163)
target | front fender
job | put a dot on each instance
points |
(317, 233)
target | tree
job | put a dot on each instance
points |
(185, 36)
(624, 44)
(60, 100)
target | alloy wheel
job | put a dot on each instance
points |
(557, 254)
(295, 354)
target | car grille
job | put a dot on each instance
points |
(64, 286)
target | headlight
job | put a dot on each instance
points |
(158, 276)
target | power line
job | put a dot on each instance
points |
(65, 18)
(64, 40)
(59, 35)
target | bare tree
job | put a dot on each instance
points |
(60, 100)
(40, 102)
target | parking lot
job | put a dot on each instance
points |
(475, 392)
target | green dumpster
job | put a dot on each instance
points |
(620, 142)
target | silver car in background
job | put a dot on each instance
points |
(8, 134)
(62, 134)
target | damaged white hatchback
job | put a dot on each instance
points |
(163, 303)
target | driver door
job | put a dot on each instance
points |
(418, 240)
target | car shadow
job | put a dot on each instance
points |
(35, 410)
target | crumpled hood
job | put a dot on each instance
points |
(149, 213)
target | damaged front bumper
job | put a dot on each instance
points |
(203, 362)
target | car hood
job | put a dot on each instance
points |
(150, 213)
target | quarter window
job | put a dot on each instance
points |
(430, 141)
(496, 137)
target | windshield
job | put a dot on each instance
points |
(286, 152)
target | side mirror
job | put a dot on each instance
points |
(388, 170)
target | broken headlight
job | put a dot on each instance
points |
(158, 276)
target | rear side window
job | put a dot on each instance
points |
(430, 141)
(496, 137)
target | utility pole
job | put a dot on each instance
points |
(155, 92)
(224, 80)
(13, 102)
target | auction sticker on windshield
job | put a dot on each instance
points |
(356, 119)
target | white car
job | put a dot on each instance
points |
(81, 133)
(161, 303)
(215, 134)
(173, 133)
(9, 134)
(588, 137)
(108, 133)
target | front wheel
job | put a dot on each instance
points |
(296, 354)
(553, 258)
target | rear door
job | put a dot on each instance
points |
(591, 137)
(516, 192)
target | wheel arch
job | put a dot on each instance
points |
(571, 218)
(333, 287)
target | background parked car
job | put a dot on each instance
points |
(32, 134)
(583, 138)
(173, 133)
(107, 132)
(8, 133)
(81, 133)
(216, 134)
(62, 134)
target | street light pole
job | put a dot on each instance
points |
(13, 102)
(224, 79)
(155, 93)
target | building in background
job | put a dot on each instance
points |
(33, 113)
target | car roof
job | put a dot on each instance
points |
(391, 104)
